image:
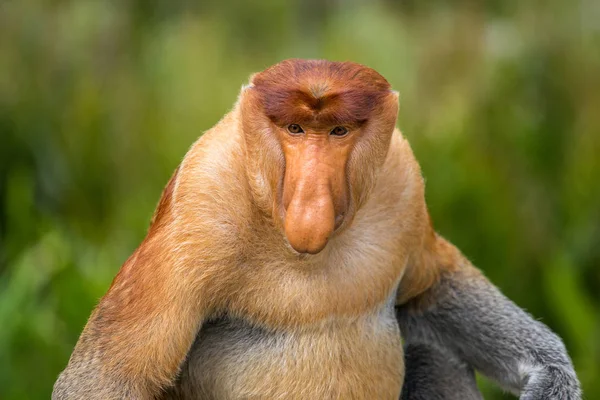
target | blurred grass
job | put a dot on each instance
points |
(100, 100)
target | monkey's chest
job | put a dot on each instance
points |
(360, 359)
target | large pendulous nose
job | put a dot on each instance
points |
(310, 217)
(314, 195)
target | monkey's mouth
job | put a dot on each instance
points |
(339, 220)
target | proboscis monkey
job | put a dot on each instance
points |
(288, 252)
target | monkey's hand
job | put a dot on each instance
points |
(468, 317)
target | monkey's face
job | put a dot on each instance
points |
(315, 192)
(317, 133)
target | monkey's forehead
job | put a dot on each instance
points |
(321, 75)
(320, 92)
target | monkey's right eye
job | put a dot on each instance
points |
(295, 129)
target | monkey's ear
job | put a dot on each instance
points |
(250, 81)
(246, 87)
(397, 95)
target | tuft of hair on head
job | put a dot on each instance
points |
(320, 93)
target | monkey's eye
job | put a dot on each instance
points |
(295, 129)
(339, 131)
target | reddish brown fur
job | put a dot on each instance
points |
(320, 93)
(217, 245)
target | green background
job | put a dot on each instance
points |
(99, 101)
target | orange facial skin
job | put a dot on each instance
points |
(315, 193)
(328, 105)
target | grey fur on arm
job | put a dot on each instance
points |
(466, 316)
(433, 373)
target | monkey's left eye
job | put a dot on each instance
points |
(339, 131)
(295, 129)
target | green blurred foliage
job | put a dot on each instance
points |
(99, 101)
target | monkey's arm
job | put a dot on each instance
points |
(139, 334)
(465, 315)
(434, 373)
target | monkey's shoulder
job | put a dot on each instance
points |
(209, 193)
(213, 168)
